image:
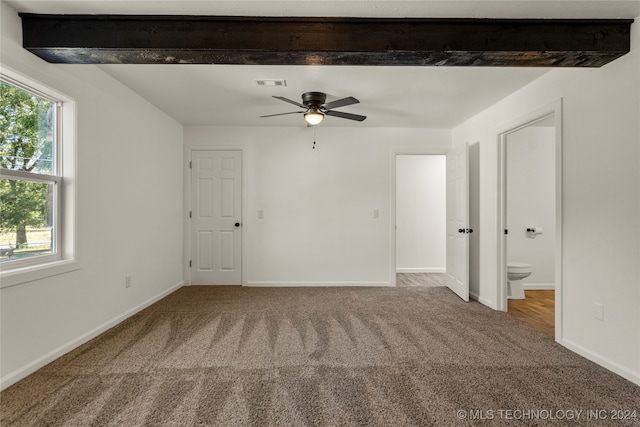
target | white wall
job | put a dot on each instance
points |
(600, 196)
(129, 215)
(421, 237)
(318, 226)
(531, 187)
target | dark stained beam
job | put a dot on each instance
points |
(129, 39)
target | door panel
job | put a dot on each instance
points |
(205, 202)
(227, 250)
(216, 188)
(227, 206)
(205, 250)
(458, 222)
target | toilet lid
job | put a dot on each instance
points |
(516, 264)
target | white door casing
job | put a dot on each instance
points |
(216, 217)
(554, 110)
(458, 221)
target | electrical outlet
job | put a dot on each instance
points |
(260, 214)
(376, 213)
(127, 281)
(598, 311)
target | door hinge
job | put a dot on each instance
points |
(506, 231)
(190, 165)
(189, 263)
(189, 214)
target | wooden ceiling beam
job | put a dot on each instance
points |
(129, 39)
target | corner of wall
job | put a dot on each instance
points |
(31, 367)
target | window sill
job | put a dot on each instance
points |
(29, 274)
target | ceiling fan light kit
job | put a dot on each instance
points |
(313, 117)
(315, 108)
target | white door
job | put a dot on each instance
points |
(216, 218)
(458, 221)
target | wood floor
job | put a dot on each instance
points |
(420, 279)
(537, 309)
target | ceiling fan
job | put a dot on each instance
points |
(315, 108)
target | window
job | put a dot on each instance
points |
(33, 206)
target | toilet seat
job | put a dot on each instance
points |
(515, 266)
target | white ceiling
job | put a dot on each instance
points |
(364, 8)
(389, 96)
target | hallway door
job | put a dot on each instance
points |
(458, 221)
(216, 227)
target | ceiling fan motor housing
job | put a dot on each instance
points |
(314, 99)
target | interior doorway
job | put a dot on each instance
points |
(530, 248)
(420, 225)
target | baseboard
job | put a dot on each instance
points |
(538, 286)
(481, 300)
(33, 366)
(614, 367)
(421, 270)
(315, 284)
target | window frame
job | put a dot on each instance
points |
(63, 256)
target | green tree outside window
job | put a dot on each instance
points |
(26, 144)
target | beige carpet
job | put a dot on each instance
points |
(228, 356)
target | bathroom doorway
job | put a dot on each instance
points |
(530, 200)
(420, 215)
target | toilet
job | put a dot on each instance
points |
(516, 271)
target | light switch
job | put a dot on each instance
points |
(260, 214)
(598, 311)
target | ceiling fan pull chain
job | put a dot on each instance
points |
(314, 137)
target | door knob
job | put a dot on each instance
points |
(469, 230)
(237, 224)
(460, 230)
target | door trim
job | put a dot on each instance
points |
(397, 151)
(554, 109)
(187, 207)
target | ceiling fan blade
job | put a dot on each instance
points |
(282, 114)
(345, 115)
(282, 98)
(341, 102)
